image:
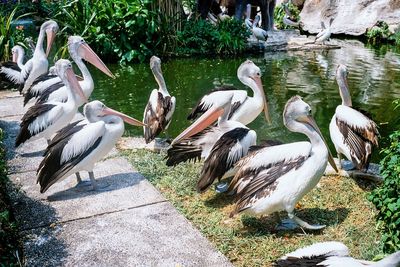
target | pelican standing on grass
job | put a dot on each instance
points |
(233, 144)
(352, 133)
(275, 178)
(331, 254)
(161, 106)
(244, 108)
(38, 64)
(79, 146)
(45, 119)
(56, 90)
(10, 71)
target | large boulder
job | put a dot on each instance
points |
(351, 17)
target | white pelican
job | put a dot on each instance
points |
(244, 108)
(10, 71)
(43, 120)
(275, 178)
(55, 90)
(234, 142)
(38, 64)
(258, 32)
(352, 133)
(247, 21)
(79, 146)
(325, 32)
(161, 106)
(331, 254)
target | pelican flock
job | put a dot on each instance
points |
(265, 178)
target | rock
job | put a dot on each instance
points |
(350, 17)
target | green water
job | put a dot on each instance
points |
(374, 81)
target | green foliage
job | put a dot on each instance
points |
(124, 30)
(379, 32)
(8, 230)
(395, 37)
(7, 37)
(279, 13)
(387, 197)
(201, 37)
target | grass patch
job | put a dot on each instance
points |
(9, 246)
(338, 202)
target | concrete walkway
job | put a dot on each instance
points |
(127, 224)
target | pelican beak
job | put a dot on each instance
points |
(310, 121)
(51, 35)
(90, 56)
(200, 124)
(125, 118)
(257, 80)
(15, 56)
(71, 77)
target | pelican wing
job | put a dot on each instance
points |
(65, 132)
(40, 84)
(214, 97)
(359, 133)
(258, 172)
(37, 119)
(231, 147)
(44, 96)
(62, 156)
(14, 74)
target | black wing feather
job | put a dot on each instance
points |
(311, 261)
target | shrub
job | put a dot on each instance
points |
(379, 32)
(387, 197)
(279, 13)
(201, 37)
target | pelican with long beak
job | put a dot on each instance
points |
(244, 108)
(353, 133)
(78, 146)
(161, 106)
(38, 64)
(331, 254)
(45, 119)
(325, 32)
(275, 178)
(10, 71)
(234, 143)
(50, 87)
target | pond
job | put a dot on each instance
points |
(374, 81)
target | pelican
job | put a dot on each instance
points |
(234, 142)
(79, 146)
(56, 91)
(43, 120)
(11, 71)
(331, 254)
(352, 133)
(38, 64)
(161, 106)
(288, 18)
(244, 108)
(247, 21)
(325, 33)
(275, 178)
(259, 33)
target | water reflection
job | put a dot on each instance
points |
(373, 80)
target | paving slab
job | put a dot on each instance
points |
(125, 188)
(11, 106)
(155, 235)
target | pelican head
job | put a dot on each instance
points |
(78, 47)
(51, 28)
(155, 63)
(297, 117)
(341, 79)
(94, 110)
(155, 66)
(218, 112)
(65, 72)
(250, 75)
(17, 53)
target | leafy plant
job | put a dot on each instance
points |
(395, 37)
(279, 13)
(201, 37)
(378, 33)
(387, 197)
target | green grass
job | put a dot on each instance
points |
(9, 246)
(248, 241)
